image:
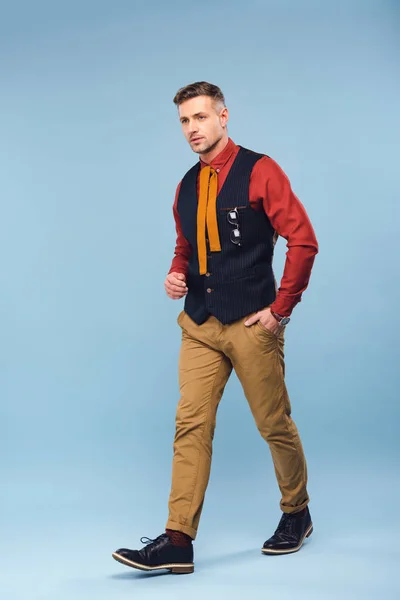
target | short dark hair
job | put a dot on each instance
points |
(200, 88)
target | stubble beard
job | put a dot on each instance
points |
(208, 148)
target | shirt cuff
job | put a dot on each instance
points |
(178, 270)
(284, 305)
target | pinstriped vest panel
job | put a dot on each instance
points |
(240, 278)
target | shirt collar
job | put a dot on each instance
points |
(222, 158)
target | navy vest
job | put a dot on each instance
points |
(239, 279)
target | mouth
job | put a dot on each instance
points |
(196, 140)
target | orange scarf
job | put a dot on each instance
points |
(207, 214)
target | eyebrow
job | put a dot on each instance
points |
(195, 115)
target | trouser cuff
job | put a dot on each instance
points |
(294, 509)
(184, 528)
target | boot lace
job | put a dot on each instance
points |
(286, 527)
(157, 540)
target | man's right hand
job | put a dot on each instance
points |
(175, 286)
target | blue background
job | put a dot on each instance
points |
(91, 152)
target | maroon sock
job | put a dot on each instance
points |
(178, 538)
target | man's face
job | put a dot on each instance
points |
(203, 122)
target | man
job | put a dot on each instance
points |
(229, 210)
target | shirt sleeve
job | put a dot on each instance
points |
(183, 249)
(289, 219)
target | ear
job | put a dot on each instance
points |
(224, 116)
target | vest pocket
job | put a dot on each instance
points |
(233, 208)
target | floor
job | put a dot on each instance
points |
(57, 546)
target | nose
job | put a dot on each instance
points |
(193, 128)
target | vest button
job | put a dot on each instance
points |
(208, 274)
(209, 290)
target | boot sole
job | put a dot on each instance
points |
(296, 549)
(177, 568)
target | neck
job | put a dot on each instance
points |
(209, 156)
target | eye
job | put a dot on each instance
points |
(201, 117)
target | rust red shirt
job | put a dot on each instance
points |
(270, 190)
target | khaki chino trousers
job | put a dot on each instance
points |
(208, 354)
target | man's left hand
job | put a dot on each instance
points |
(266, 319)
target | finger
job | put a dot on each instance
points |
(175, 281)
(175, 289)
(252, 320)
(179, 276)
